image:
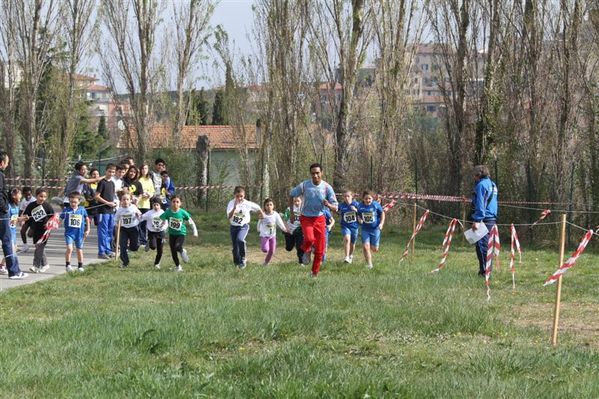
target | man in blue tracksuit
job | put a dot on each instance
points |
(484, 205)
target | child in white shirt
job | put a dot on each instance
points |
(267, 226)
(156, 228)
(238, 213)
(128, 215)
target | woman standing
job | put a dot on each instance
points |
(147, 192)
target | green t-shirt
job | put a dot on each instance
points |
(176, 221)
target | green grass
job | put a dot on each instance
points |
(214, 331)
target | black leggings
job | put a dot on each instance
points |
(155, 243)
(176, 244)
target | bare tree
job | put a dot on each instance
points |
(36, 28)
(77, 33)
(192, 23)
(127, 55)
(340, 36)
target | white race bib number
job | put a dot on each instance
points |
(368, 217)
(175, 224)
(75, 221)
(127, 219)
(157, 223)
(349, 217)
(13, 220)
(38, 213)
(238, 218)
(271, 229)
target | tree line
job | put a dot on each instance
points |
(518, 82)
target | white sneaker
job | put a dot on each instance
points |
(3, 270)
(34, 269)
(70, 268)
(369, 266)
(81, 269)
(351, 259)
(157, 265)
(19, 276)
(44, 268)
(184, 255)
(346, 260)
(179, 269)
(24, 248)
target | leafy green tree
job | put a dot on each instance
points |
(218, 110)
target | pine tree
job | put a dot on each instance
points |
(218, 110)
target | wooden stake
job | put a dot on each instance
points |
(464, 221)
(414, 226)
(559, 282)
(118, 238)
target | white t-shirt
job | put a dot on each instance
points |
(154, 223)
(267, 226)
(118, 186)
(129, 216)
(241, 217)
(24, 202)
(297, 212)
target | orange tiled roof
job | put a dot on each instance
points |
(221, 137)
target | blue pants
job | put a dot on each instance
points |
(238, 235)
(481, 248)
(105, 232)
(12, 262)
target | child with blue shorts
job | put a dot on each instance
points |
(13, 214)
(372, 217)
(76, 229)
(348, 212)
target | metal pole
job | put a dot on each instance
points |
(558, 294)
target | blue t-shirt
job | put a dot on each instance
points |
(313, 196)
(74, 221)
(371, 215)
(484, 200)
(13, 214)
(349, 218)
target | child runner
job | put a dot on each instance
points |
(267, 227)
(156, 228)
(39, 212)
(76, 229)
(294, 237)
(13, 214)
(129, 216)
(105, 196)
(27, 199)
(348, 211)
(372, 217)
(238, 213)
(176, 218)
(167, 189)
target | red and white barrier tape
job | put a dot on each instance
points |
(415, 233)
(544, 214)
(492, 252)
(52, 224)
(515, 246)
(389, 205)
(570, 262)
(446, 244)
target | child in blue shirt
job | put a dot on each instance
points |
(13, 214)
(348, 211)
(372, 217)
(76, 229)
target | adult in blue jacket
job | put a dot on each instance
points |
(484, 210)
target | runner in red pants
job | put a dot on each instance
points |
(317, 194)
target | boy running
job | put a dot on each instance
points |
(348, 211)
(372, 217)
(76, 229)
(156, 228)
(39, 213)
(238, 213)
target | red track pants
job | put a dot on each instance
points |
(314, 230)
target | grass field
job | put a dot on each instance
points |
(215, 331)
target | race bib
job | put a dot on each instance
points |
(238, 218)
(127, 219)
(75, 221)
(38, 213)
(13, 220)
(175, 224)
(271, 229)
(368, 217)
(157, 223)
(349, 217)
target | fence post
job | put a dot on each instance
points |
(558, 294)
